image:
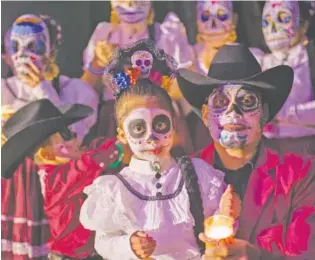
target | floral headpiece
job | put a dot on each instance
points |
(141, 60)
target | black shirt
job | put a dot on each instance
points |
(237, 178)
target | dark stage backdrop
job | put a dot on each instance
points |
(79, 18)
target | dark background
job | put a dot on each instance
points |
(79, 18)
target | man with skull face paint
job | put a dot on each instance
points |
(236, 99)
(284, 30)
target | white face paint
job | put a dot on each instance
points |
(280, 22)
(142, 60)
(235, 116)
(149, 133)
(131, 11)
(29, 42)
(214, 19)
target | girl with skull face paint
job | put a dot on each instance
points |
(284, 24)
(162, 198)
(34, 41)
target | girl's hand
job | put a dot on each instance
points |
(103, 53)
(142, 244)
(230, 204)
(29, 74)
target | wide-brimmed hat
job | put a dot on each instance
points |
(33, 124)
(235, 64)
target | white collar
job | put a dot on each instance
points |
(146, 167)
(291, 53)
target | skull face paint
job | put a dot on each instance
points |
(142, 60)
(131, 11)
(280, 22)
(29, 42)
(149, 133)
(215, 18)
(235, 116)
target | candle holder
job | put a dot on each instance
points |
(219, 229)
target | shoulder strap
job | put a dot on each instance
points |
(311, 60)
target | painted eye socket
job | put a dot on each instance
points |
(220, 101)
(38, 47)
(147, 62)
(138, 62)
(248, 102)
(161, 124)
(266, 20)
(222, 14)
(14, 46)
(284, 17)
(205, 16)
(137, 128)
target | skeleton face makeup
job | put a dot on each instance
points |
(142, 60)
(29, 42)
(149, 132)
(235, 116)
(214, 18)
(280, 23)
(131, 11)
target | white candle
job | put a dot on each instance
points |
(219, 232)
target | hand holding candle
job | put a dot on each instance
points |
(230, 203)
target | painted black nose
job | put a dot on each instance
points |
(152, 138)
(273, 27)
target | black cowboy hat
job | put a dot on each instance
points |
(33, 124)
(235, 64)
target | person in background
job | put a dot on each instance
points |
(284, 25)
(33, 46)
(277, 190)
(130, 22)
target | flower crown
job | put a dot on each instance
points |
(128, 78)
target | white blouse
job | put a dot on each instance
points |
(72, 91)
(119, 205)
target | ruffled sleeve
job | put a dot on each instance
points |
(173, 40)
(212, 186)
(100, 213)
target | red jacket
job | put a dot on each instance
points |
(62, 187)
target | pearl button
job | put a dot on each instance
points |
(159, 194)
(158, 185)
(158, 175)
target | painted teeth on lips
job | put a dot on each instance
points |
(234, 127)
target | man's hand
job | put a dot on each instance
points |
(230, 203)
(142, 244)
(238, 250)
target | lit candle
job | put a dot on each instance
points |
(219, 228)
(219, 232)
